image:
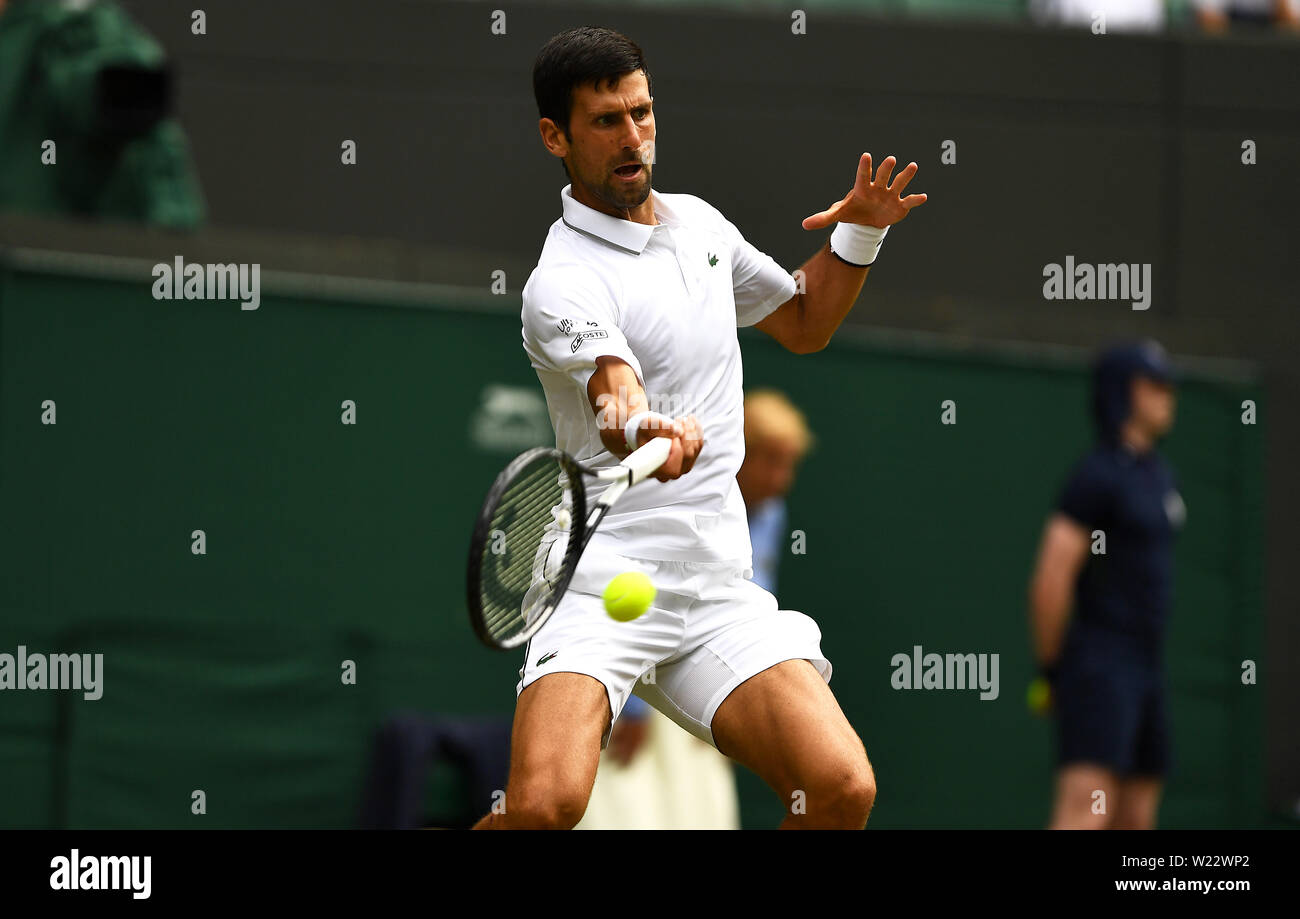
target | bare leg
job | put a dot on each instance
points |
(1139, 800)
(554, 752)
(1077, 805)
(785, 724)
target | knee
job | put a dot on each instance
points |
(1085, 797)
(842, 797)
(555, 807)
(857, 796)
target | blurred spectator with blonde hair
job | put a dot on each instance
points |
(777, 439)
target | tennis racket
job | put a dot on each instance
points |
(532, 530)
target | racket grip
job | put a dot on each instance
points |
(645, 460)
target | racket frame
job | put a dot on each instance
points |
(634, 468)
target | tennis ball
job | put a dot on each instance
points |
(1039, 696)
(628, 595)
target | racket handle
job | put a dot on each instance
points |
(645, 460)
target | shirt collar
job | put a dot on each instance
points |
(625, 234)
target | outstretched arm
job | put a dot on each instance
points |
(806, 322)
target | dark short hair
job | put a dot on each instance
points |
(588, 55)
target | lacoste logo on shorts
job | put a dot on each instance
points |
(583, 336)
(546, 657)
(713, 260)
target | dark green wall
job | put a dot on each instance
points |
(329, 542)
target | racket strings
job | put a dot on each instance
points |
(532, 514)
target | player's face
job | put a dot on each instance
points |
(608, 127)
(1153, 405)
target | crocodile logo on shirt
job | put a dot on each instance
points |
(546, 657)
(713, 260)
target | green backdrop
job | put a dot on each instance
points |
(329, 542)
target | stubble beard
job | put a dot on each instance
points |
(623, 197)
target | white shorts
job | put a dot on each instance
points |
(708, 631)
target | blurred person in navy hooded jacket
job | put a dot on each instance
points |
(1099, 601)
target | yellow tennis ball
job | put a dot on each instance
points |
(1039, 696)
(628, 595)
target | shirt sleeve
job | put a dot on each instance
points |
(759, 283)
(570, 318)
(1087, 497)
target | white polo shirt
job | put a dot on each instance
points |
(667, 299)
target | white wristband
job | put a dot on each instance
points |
(857, 244)
(634, 424)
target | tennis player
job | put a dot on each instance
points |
(630, 321)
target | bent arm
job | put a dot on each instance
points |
(616, 395)
(1061, 556)
(806, 322)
